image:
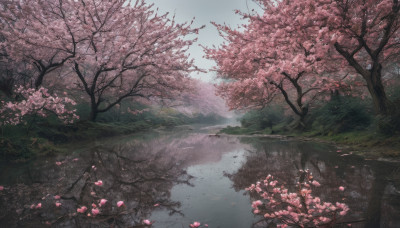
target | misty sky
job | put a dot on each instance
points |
(204, 11)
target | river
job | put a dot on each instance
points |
(174, 177)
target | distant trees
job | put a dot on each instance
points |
(116, 49)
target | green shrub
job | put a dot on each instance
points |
(342, 114)
(265, 118)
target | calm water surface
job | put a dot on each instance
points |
(175, 177)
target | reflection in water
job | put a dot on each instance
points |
(177, 178)
(369, 185)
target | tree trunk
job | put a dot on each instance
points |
(383, 106)
(39, 79)
(94, 111)
(373, 77)
(300, 123)
(93, 115)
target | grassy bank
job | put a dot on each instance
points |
(346, 121)
(47, 137)
(369, 144)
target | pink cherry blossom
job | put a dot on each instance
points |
(287, 207)
(102, 202)
(37, 102)
(95, 211)
(39, 205)
(120, 203)
(341, 188)
(82, 209)
(315, 183)
(147, 222)
(195, 224)
(1, 188)
(58, 204)
(99, 183)
(57, 197)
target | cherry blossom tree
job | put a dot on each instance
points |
(131, 52)
(272, 56)
(42, 34)
(364, 34)
(117, 49)
(36, 102)
(367, 35)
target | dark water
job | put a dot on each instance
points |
(174, 178)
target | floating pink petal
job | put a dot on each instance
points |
(147, 222)
(341, 188)
(58, 204)
(58, 163)
(157, 204)
(102, 202)
(39, 205)
(315, 183)
(95, 211)
(99, 183)
(195, 224)
(82, 209)
(120, 203)
(57, 197)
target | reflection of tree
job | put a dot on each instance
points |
(365, 183)
(141, 172)
(140, 182)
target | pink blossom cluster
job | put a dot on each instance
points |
(37, 102)
(300, 209)
(137, 112)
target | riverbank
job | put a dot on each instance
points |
(48, 138)
(370, 145)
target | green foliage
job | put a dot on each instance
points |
(389, 125)
(264, 118)
(342, 114)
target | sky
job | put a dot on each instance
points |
(205, 11)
